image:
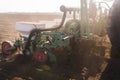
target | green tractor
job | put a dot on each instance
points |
(45, 46)
(39, 40)
(63, 51)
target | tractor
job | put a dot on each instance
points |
(63, 51)
(37, 41)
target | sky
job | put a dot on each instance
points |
(35, 5)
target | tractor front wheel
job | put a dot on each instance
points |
(40, 57)
(5, 47)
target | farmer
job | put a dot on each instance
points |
(112, 71)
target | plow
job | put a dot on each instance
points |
(54, 54)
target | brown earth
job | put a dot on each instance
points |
(8, 22)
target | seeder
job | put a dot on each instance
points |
(37, 40)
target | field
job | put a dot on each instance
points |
(8, 32)
(8, 22)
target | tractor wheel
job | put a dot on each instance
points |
(5, 46)
(40, 57)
